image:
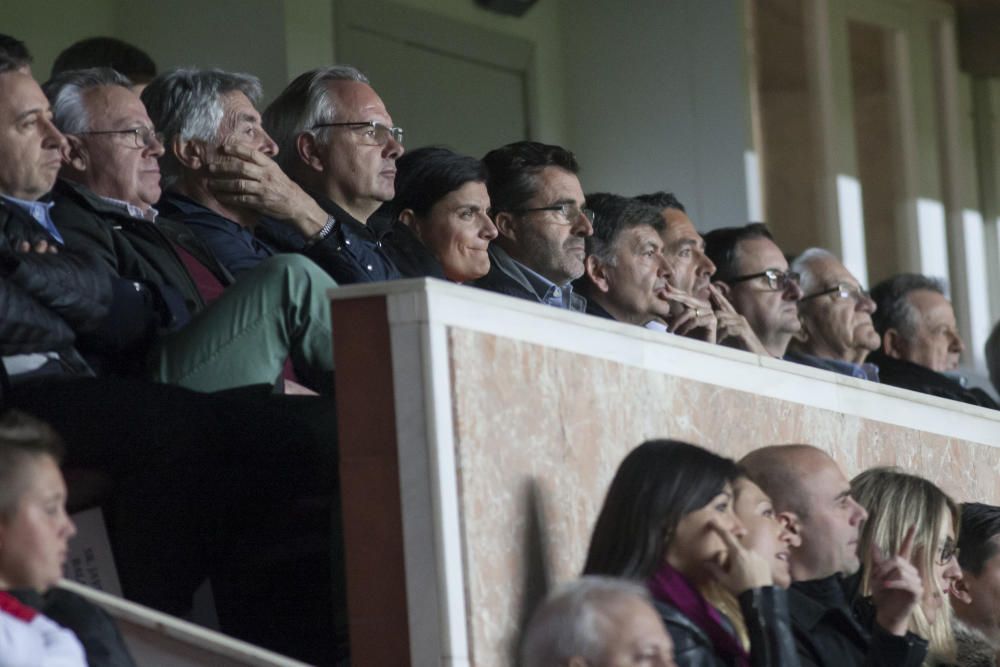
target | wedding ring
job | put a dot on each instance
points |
(697, 313)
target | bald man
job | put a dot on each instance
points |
(812, 496)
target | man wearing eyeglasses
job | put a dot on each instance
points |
(837, 332)
(338, 142)
(752, 273)
(542, 219)
(178, 314)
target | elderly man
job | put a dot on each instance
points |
(836, 315)
(753, 274)
(203, 332)
(212, 134)
(920, 339)
(975, 598)
(812, 497)
(542, 221)
(597, 622)
(625, 273)
(337, 141)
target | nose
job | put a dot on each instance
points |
(866, 304)
(859, 515)
(737, 528)
(154, 148)
(487, 230)
(664, 268)
(69, 528)
(582, 226)
(53, 138)
(956, 345)
(793, 291)
(952, 571)
(707, 266)
(788, 537)
(269, 147)
(393, 149)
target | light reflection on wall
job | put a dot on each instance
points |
(751, 169)
(933, 238)
(977, 275)
(852, 227)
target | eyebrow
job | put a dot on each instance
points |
(24, 114)
(843, 494)
(247, 118)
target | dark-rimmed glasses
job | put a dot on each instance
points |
(842, 291)
(378, 132)
(568, 212)
(142, 137)
(777, 281)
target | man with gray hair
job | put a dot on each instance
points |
(178, 313)
(920, 340)
(836, 315)
(597, 622)
(211, 127)
(338, 142)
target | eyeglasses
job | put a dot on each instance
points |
(776, 280)
(141, 137)
(377, 133)
(570, 213)
(842, 291)
(947, 552)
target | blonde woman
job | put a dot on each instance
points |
(910, 515)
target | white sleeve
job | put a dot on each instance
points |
(38, 643)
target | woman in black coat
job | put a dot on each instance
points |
(440, 216)
(668, 522)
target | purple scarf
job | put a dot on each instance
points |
(670, 586)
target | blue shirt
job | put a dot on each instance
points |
(560, 296)
(234, 245)
(40, 213)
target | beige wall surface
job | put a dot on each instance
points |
(539, 433)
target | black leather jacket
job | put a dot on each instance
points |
(45, 299)
(765, 612)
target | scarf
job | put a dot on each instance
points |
(670, 586)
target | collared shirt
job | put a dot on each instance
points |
(40, 211)
(548, 292)
(862, 371)
(233, 245)
(148, 214)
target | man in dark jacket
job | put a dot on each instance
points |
(975, 597)
(920, 339)
(202, 331)
(812, 497)
(542, 221)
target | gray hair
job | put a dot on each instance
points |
(187, 103)
(803, 265)
(65, 92)
(304, 103)
(893, 307)
(572, 621)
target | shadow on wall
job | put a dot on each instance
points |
(537, 579)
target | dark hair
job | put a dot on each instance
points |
(662, 200)
(426, 175)
(656, 485)
(892, 308)
(22, 438)
(613, 214)
(15, 51)
(980, 524)
(722, 247)
(513, 168)
(993, 355)
(120, 56)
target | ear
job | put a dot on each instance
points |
(191, 153)
(74, 154)
(506, 224)
(409, 218)
(960, 590)
(307, 148)
(893, 344)
(724, 288)
(597, 273)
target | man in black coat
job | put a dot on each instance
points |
(921, 344)
(812, 497)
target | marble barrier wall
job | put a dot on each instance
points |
(509, 421)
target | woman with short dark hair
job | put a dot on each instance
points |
(668, 522)
(440, 216)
